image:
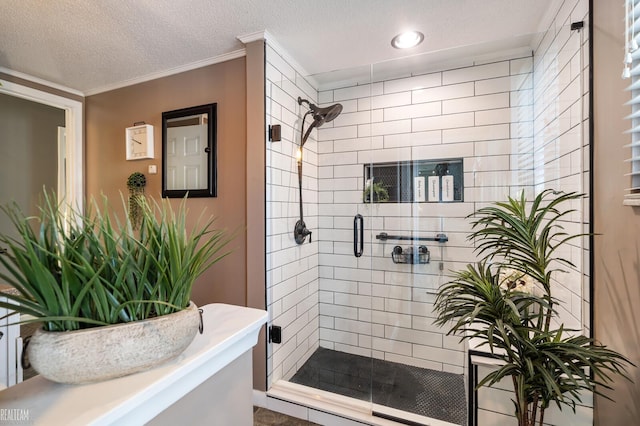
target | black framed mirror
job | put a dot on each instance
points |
(189, 152)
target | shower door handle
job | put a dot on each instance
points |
(358, 235)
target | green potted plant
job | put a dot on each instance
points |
(79, 274)
(375, 192)
(505, 301)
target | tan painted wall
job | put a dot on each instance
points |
(109, 113)
(617, 248)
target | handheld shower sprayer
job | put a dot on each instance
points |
(320, 116)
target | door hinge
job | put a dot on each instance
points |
(275, 334)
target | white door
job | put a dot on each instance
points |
(186, 157)
(62, 163)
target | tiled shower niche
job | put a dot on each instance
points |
(419, 181)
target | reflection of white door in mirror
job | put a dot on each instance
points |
(189, 152)
(186, 157)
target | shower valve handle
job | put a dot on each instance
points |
(300, 232)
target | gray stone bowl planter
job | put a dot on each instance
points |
(102, 353)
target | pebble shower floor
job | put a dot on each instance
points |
(429, 393)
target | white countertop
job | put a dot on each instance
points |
(229, 331)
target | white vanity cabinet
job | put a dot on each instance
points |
(209, 383)
(10, 350)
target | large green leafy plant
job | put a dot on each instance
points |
(505, 301)
(75, 270)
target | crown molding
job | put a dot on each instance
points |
(41, 81)
(248, 38)
(171, 71)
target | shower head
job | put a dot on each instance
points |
(325, 115)
(320, 116)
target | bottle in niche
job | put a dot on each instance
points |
(419, 194)
(434, 187)
(447, 187)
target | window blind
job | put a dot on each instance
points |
(631, 71)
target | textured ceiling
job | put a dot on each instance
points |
(91, 45)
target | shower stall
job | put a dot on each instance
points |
(418, 144)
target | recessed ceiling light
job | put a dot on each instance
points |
(407, 39)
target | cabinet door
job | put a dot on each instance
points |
(4, 348)
(10, 350)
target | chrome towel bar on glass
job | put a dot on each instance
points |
(383, 236)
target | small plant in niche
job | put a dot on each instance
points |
(136, 183)
(375, 192)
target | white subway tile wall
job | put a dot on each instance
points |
(518, 124)
(371, 305)
(292, 270)
(561, 144)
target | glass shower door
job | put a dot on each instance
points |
(345, 245)
(339, 360)
(417, 212)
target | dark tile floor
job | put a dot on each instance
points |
(264, 417)
(430, 393)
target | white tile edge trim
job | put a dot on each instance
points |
(342, 406)
(326, 401)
